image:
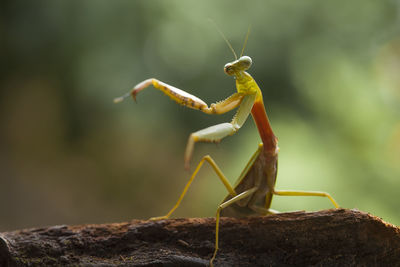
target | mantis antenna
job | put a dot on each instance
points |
(223, 36)
(245, 40)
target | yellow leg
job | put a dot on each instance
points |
(217, 170)
(217, 217)
(306, 193)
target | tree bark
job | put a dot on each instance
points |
(326, 238)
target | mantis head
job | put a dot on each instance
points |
(239, 65)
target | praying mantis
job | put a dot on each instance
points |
(252, 194)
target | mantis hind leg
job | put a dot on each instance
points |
(306, 193)
(220, 175)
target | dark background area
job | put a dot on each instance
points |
(329, 72)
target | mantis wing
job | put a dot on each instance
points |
(259, 172)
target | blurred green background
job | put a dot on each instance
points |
(329, 71)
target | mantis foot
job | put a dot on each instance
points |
(158, 218)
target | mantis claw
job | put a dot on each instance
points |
(189, 151)
(133, 94)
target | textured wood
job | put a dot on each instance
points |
(325, 238)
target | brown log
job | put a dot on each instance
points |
(325, 238)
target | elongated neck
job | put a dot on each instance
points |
(264, 128)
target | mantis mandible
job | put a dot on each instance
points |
(252, 194)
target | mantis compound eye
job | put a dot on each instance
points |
(229, 69)
(244, 62)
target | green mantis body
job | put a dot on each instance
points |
(252, 194)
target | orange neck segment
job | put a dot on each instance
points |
(264, 128)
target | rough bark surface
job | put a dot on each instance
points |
(325, 238)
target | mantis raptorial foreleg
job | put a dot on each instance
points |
(220, 175)
(217, 132)
(184, 98)
(210, 134)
